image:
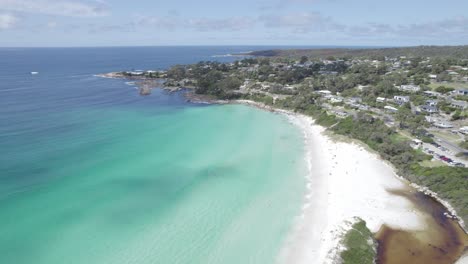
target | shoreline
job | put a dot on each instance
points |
(349, 182)
(415, 186)
(336, 195)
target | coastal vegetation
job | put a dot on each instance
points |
(360, 245)
(419, 51)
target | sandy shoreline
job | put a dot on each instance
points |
(345, 181)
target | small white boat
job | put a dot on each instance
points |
(34, 73)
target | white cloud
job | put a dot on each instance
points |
(57, 7)
(450, 28)
(285, 4)
(7, 21)
(224, 24)
(200, 24)
(301, 22)
(163, 22)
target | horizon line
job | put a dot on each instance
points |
(240, 45)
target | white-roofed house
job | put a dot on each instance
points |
(410, 88)
(399, 99)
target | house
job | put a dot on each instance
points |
(342, 114)
(363, 107)
(416, 143)
(324, 92)
(431, 93)
(443, 125)
(431, 119)
(265, 86)
(136, 73)
(429, 109)
(432, 76)
(458, 104)
(461, 92)
(410, 88)
(464, 130)
(401, 99)
(336, 99)
(328, 72)
(380, 100)
(432, 102)
(362, 87)
(354, 100)
(390, 108)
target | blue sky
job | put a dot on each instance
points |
(236, 22)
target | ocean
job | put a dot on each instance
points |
(91, 172)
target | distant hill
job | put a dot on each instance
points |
(460, 52)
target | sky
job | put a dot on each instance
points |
(75, 23)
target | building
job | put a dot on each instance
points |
(390, 108)
(336, 99)
(341, 114)
(380, 100)
(431, 119)
(410, 88)
(432, 102)
(363, 107)
(324, 92)
(416, 143)
(401, 99)
(135, 73)
(354, 101)
(429, 109)
(461, 92)
(432, 76)
(362, 87)
(328, 72)
(458, 104)
(464, 130)
(443, 125)
(431, 93)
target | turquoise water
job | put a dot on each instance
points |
(93, 173)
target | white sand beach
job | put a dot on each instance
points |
(345, 181)
(463, 259)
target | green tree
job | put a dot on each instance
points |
(443, 89)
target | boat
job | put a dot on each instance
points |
(34, 73)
